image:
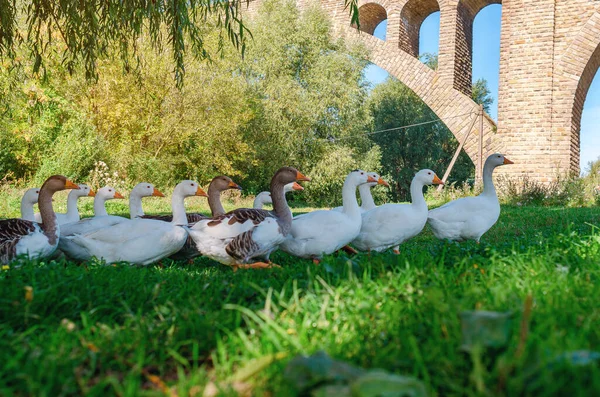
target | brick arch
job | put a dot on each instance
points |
(412, 16)
(466, 11)
(371, 14)
(574, 75)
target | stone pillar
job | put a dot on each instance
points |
(525, 92)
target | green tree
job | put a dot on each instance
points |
(405, 151)
(481, 94)
(430, 60)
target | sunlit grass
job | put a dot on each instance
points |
(121, 330)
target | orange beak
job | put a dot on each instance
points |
(301, 177)
(71, 185)
(507, 161)
(380, 181)
(296, 186)
(92, 193)
(201, 192)
(437, 181)
(118, 195)
(371, 179)
(233, 185)
(157, 193)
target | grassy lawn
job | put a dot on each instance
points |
(121, 330)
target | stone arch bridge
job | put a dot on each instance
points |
(549, 54)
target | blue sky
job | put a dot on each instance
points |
(486, 64)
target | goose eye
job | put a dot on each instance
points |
(148, 186)
(429, 173)
(110, 190)
(37, 192)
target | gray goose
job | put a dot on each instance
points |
(34, 240)
(243, 235)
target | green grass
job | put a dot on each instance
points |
(121, 330)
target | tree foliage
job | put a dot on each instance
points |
(405, 151)
(242, 116)
(481, 94)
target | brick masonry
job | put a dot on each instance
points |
(549, 54)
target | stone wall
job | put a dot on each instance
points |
(549, 54)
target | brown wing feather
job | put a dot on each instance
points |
(242, 215)
(242, 247)
(11, 232)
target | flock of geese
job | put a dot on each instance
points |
(245, 237)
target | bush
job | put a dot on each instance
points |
(569, 191)
(325, 189)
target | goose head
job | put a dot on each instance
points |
(57, 183)
(145, 189)
(188, 188)
(31, 196)
(108, 193)
(496, 160)
(222, 183)
(83, 191)
(360, 177)
(427, 177)
(379, 180)
(286, 175)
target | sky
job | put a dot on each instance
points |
(486, 64)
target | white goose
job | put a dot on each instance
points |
(138, 241)
(34, 240)
(470, 217)
(324, 232)
(100, 219)
(364, 191)
(242, 235)
(263, 198)
(72, 214)
(391, 224)
(142, 189)
(29, 199)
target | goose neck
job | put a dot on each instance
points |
(214, 201)
(135, 206)
(49, 223)
(366, 197)
(349, 198)
(281, 207)
(488, 181)
(416, 194)
(27, 210)
(72, 210)
(99, 207)
(178, 207)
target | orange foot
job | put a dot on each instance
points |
(255, 265)
(316, 261)
(349, 250)
(397, 251)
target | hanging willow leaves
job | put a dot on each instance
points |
(89, 28)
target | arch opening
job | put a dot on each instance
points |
(584, 154)
(412, 16)
(370, 15)
(429, 40)
(467, 10)
(486, 57)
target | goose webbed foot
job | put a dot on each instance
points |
(349, 250)
(396, 250)
(316, 261)
(255, 265)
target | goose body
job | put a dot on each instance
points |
(137, 241)
(243, 235)
(389, 225)
(29, 199)
(470, 217)
(323, 232)
(19, 237)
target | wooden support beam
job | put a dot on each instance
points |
(460, 146)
